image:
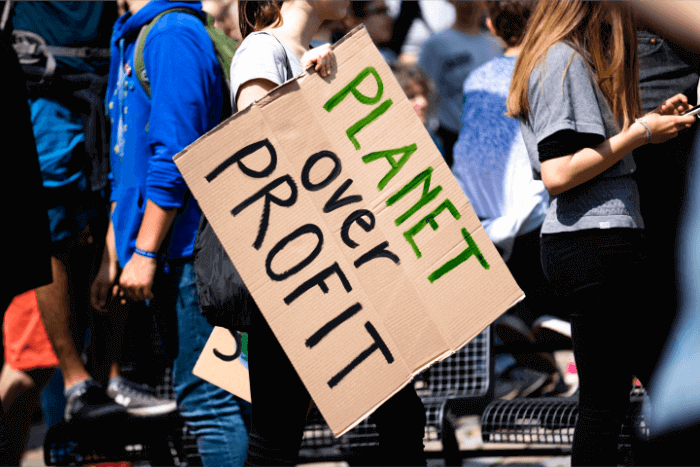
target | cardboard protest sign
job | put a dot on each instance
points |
(350, 231)
(228, 365)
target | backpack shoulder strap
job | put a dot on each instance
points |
(139, 64)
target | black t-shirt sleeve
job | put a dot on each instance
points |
(566, 142)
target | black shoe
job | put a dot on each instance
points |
(88, 401)
(513, 330)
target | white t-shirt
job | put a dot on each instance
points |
(437, 15)
(262, 56)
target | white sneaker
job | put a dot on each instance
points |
(139, 400)
(549, 328)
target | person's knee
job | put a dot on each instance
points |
(12, 380)
(16, 385)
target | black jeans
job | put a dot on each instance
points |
(597, 275)
(661, 179)
(282, 403)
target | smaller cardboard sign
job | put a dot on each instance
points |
(224, 362)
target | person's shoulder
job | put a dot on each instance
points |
(183, 34)
(561, 60)
(438, 39)
(178, 22)
(493, 41)
(497, 66)
(562, 55)
(260, 43)
(491, 74)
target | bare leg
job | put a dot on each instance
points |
(20, 392)
(54, 305)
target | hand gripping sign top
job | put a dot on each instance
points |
(350, 231)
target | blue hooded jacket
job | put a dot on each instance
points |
(185, 103)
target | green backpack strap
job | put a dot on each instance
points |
(224, 46)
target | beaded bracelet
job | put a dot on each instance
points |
(147, 254)
(646, 127)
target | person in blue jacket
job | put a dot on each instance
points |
(154, 216)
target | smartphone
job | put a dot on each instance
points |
(694, 111)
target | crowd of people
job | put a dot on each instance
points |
(562, 122)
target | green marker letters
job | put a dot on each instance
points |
(472, 250)
(426, 197)
(352, 88)
(363, 122)
(389, 154)
(429, 220)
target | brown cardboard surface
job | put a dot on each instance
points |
(228, 367)
(366, 213)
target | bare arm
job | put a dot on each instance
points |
(106, 277)
(677, 21)
(154, 226)
(252, 90)
(322, 58)
(136, 280)
(564, 173)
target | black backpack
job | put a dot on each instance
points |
(224, 300)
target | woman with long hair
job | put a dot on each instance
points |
(575, 90)
(276, 48)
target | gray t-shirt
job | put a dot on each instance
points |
(448, 57)
(261, 55)
(564, 95)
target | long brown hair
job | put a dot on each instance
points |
(254, 16)
(604, 33)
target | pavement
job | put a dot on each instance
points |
(468, 435)
(475, 452)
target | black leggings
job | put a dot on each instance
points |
(597, 275)
(282, 403)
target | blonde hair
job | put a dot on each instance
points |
(604, 33)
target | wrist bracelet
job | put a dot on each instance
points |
(147, 254)
(646, 127)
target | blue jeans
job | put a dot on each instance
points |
(216, 417)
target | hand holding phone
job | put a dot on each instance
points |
(692, 111)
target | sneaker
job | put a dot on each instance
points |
(506, 389)
(554, 386)
(513, 330)
(139, 400)
(529, 380)
(551, 329)
(519, 382)
(88, 400)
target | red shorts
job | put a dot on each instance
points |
(27, 345)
